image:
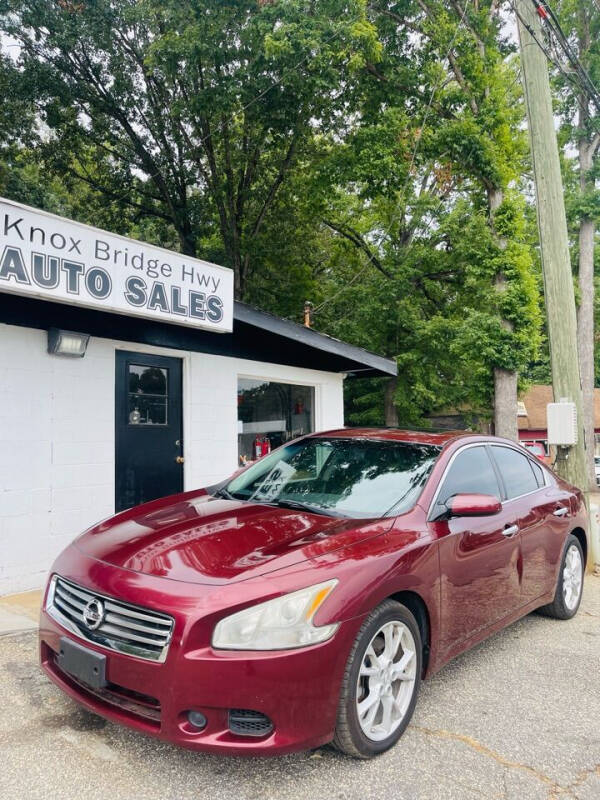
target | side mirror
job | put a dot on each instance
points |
(473, 505)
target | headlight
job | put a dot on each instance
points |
(278, 624)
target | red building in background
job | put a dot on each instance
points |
(532, 423)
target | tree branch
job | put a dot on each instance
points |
(358, 241)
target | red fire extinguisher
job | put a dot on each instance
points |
(261, 447)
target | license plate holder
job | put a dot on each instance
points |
(83, 664)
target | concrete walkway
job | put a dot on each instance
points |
(518, 718)
(19, 612)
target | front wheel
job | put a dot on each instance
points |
(381, 682)
(570, 583)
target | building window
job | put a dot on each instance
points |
(537, 447)
(270, 414)
(147, 395)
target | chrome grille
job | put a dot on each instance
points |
(123, 627)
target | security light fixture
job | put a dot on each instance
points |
(67, 343)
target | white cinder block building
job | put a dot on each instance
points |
(170, 394)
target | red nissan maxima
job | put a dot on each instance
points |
(304, 600)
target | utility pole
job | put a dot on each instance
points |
(552, 226)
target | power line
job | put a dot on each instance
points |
(569, 77)
(553, 23)
(566, 45)
(575, 78)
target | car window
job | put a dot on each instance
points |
(344, 477)
(538, 472)
(470, 472)
(516, 470)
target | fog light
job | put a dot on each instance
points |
(197, 719)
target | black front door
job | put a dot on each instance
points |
(148, 434)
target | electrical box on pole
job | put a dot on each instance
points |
(562, 423)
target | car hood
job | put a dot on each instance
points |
(202, 539)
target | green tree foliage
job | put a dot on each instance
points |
(170, 96)
(580, 139)
(367, 157)
(428, 194)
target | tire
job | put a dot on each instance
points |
(390, 687)
(569, 587)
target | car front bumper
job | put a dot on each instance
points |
(297, 690)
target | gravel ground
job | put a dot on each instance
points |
(516, 718)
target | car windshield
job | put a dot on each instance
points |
(341, 477)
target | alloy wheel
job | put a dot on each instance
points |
(572, 577)
(386, 680)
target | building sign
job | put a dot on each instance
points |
(53, 258)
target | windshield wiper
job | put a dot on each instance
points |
(222, 492)
(283, 503)
(295, 504)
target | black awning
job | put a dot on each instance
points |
(256, 336)
(334, 355)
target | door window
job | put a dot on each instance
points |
(470, 472)
(147, 395)
(516, 470)
(538, 472)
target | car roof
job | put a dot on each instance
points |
(397, 435)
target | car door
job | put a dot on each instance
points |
(541, 510)
(479, 556)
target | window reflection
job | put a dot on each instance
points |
(270, 414)
(517, 471)
(147, 395)
(471, 472)
(346, 477)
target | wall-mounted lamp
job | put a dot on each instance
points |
(67, 343)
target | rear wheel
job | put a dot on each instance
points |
(381, 682)
(570, 583)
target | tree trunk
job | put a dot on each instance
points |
(391, 412)
(187, 241)
(505, 404)
(585, 314)
(235, 261)
(237, 283)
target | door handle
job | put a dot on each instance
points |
(179, 459)
(560, 512)
(510, 531)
